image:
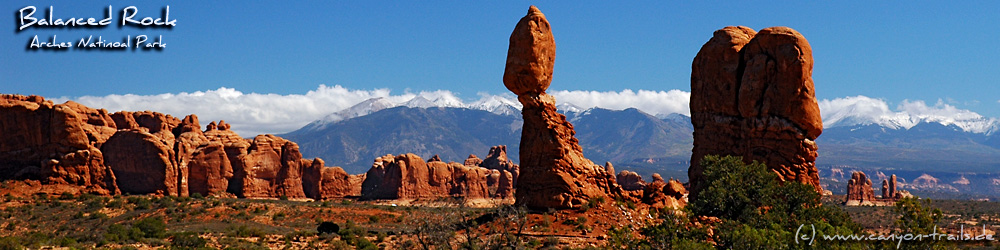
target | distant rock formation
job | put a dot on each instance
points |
(473, 160)
(408, 176)
(497, 159)
(154, 153)
(859, 189)
(659, 193)
(630, 181)
(860, 192)
(554, 172)
(752, 95)
(893, 193)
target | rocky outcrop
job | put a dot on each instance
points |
(554, 172)
(892, 192)
(153, 153)
(271, 168)
(752, 96)
(142, 162)
(473, 160)
(320, 182)
(859, 189)
(497, 159)
(409, 177)
(57, 144)
(660, 194)
(630, 181)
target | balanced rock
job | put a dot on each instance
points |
(752, 96)
(554, 172)
(531, 55)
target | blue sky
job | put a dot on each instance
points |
(889, 50)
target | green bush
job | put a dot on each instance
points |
(152, 227)
(756, 210)
(188, 240)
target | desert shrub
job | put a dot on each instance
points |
(10, 243)
(245, 231)
(756, 212)
(364, 244)
(152, 227)
(140, 202)
(187, 240)
(327, 227)
(197, 196)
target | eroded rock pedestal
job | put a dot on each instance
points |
(752, 96)
(554, 172)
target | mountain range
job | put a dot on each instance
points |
(632, 139)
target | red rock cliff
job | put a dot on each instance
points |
(752, 95)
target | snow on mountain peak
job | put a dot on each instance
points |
(863, 110)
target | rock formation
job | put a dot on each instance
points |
(409, 177)
(554, 172)
(630, 181)
(752, 96)
(153, 153)
(473, 160)
(659, 193)
(497, 159)
(321, 182)
(885, 189)
(859, 190)
(142, 162)
(58, 144)
(893, 193)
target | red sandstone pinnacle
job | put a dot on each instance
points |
(554, 173)
(752, 96)
(531, 55)
(859, 188)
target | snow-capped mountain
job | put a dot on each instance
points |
(864, 111)
(497, 105)
(361, 109)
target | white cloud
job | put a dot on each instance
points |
(249, 113)
(253, 113)
(652, 102)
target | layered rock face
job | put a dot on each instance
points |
(409, 177)
(752, 95)
(154, 153)
(58, 144)
(859, 189)
(554, 172)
